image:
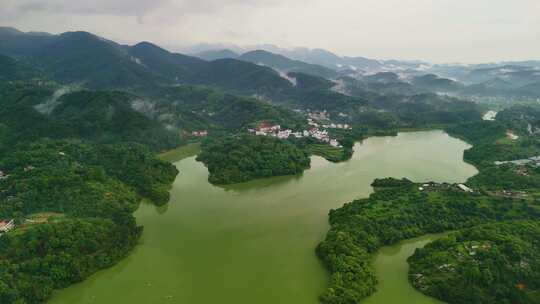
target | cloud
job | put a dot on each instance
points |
(96, 7)
(441, 30)
(127, 7)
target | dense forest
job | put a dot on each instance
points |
(493, 263)
(492, 144)
(72, 203)
(31, 111)
(399, 210)
(242, 158)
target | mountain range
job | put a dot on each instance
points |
(98, 63)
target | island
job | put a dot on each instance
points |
(242, 158)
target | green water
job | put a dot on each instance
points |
(254, 242)
(392, 272)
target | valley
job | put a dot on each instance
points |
(225, 238)
(132, 173)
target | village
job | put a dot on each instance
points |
(316, 130)
(266, 129)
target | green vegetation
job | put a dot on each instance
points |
(32, 111)
(493, 263)
(199, 108)
(88, 158)
(330, 153)
(491, 144)
(51, 256)
(398, 210)
(15, 71)
(181, 152)
(96, 188)
(242, 158)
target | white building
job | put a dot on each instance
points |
(334, 143)
(6, 225)
(465, 188)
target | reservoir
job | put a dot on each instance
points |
(255, 242)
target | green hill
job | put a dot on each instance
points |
(287, 65)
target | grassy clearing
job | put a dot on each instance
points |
(330, 153)
(180, 153)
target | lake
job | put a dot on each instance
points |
(254, 242)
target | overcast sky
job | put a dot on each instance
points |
(433, 30)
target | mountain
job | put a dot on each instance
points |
(93, 61)
(331, 60)
(212, 55)
(287, 65)
(12, 70)
(98, 63)
(514, 74)
(176, 67)
(435, 83)
(533, 89)
(231, 74)
(32, 111)
(19, 44)
(310, 82)
(383, 77)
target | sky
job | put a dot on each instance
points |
(468, 31)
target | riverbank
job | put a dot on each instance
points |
(214, 238)
(180, 153)
(392, 271)
(394, 213)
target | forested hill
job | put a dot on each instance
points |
(81, 57)
(240, 159)
(492, 263)
(12, 70)
(287, 65)
(30, 112)
(72, 205)
(92, 62)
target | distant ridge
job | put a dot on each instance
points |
(217, 54)
(287, 65)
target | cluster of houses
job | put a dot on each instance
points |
(318, 115)
(267, 129)
(6, 226)
(312, 123)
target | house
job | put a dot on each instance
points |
(6, 225)
(267, 127)
(201, 133)
(284, 134)
(29, 168)
(3, 175)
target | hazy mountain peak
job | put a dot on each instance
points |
(212, 55)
